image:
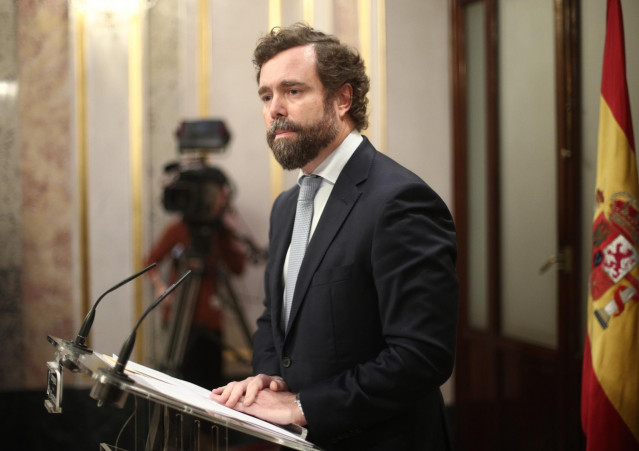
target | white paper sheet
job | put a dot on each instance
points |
(193, 395)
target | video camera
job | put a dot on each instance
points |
(195, 188)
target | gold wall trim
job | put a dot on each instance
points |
(364, 31)
(275, 170)
(274, 13)
(365, 47)
(308, 11)
(204, 57)
(135, 160)
(82, 158)
(377, 68)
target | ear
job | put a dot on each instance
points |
(344, 99)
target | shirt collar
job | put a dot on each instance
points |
(332, 166)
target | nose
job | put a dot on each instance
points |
(277, 107)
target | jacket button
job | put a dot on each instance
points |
(286, 362)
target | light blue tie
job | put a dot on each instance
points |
(299, 241)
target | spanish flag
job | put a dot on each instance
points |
(610, 379)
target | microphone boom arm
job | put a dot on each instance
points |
(127, 347)
(107, 388)
(81, 338)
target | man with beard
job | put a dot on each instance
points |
(356, 346)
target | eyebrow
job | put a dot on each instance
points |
(282, 84)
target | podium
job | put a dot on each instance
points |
(170, 414)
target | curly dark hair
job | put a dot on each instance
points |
(337, 64)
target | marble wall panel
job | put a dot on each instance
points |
(46, 176)
(11, 330)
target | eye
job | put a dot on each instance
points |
(293, 91)
(266, 98)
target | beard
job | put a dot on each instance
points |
(297, 152)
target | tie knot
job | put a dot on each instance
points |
(309, 186)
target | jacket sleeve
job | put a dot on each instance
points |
(265, 356)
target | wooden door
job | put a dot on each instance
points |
(516, 137)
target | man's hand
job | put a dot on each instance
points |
(230, 394)
(278, 407)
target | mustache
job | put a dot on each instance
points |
(283, 124)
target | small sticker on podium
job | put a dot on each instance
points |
(53, 403)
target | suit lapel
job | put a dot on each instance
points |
(340, 203)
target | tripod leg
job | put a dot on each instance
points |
(184, 309)
(236, 307)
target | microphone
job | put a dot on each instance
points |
(80, 339)
(127, 347)
(78, 345)
(106, 388)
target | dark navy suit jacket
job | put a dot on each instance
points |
(372, 328)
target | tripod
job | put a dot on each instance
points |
(194, 258)
(184, 308)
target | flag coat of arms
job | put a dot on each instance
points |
(610, 379)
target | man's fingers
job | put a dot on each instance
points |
(234, 391)
(228, 394)
(257, 384)
(218, 391)
(235, 394)
(278, 384)
(246, 391)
